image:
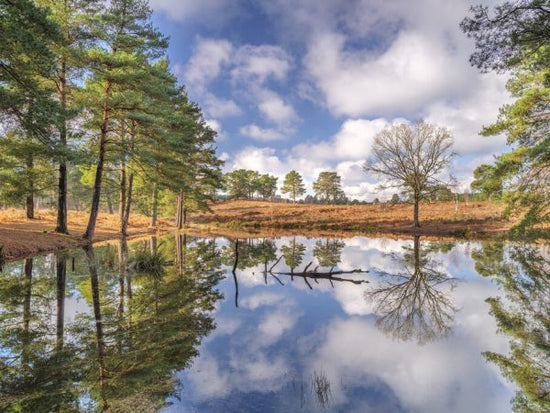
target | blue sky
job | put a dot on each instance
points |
(307, 84)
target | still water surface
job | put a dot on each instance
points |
(183, 324)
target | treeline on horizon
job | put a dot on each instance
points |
(327, 188)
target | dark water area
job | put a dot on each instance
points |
(295, 324)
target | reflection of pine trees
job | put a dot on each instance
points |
(523, 272)
(34, 355)
(250, 253)
(293, 254)
(328, 252)
(122, 356)
(412, 303)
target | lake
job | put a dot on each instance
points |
(291, 324)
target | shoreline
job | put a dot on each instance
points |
(474, 220)
(22, 238)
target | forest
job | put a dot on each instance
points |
(92, 117)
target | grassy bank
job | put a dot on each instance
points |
(20, 237)
(473, 219)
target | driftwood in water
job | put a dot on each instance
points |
(315, 275)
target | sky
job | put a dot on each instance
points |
(306, 85)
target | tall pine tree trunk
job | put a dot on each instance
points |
(127, 210)
(122, 195)
(62, 180)
(154, 207)
(29, 201)
(128, 203)
(94, 210)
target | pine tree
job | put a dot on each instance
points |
(293, 185)
(327, 187)
(25, 170)
(127, 41)
(26, 60)
(75, 19)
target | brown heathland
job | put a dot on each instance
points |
(477, 219)
(21, 237)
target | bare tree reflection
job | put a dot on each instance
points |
(413, 304)
(320, 385)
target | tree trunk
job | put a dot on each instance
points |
(126, 218)
(62, 180)
(61, 266)
(122, 196)
(30, 206)
(109, 203)
(29, 201)
(126, 195)
(154, 207)
(416, 201)
(94, 210)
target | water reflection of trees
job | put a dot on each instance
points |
(121, 357)
(523, 273)
(413, 304)
(263, 253)
(328, 252)
(33, 352)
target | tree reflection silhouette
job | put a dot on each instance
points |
(328, 253)
(121, 356)
(413, 304)
(37, 370)
(523, 271)
(293, 254)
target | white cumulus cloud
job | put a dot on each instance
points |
(260, 134)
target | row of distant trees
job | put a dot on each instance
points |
(249, 184)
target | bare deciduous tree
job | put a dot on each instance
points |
(411, 158)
